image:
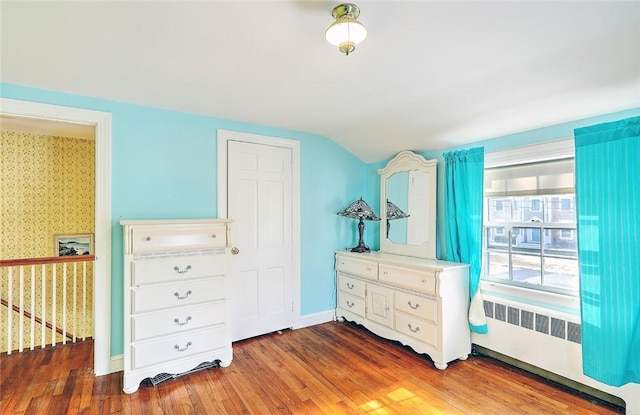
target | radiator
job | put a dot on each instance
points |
(547, 339)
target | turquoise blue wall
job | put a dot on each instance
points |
(540, 135)
(164, 166)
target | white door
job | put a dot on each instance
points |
(259, 198)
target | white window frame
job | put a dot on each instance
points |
(550, 150)
(545, 151)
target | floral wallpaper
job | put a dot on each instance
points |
(47, 187)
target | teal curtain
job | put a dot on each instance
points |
(608, 203)
(464, 174)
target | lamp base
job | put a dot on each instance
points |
(361, 248)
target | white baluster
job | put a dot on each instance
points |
(75, 281)
(9, 309)
(53, 305)
(64, 303)
(33, 308)
(21, 312)
(84, 300)
(2, 295)
(43, 304)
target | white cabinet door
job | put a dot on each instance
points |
(380, 304)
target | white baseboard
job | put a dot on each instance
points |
(313, 319)
(116, 363)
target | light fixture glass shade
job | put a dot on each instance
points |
(346, 32)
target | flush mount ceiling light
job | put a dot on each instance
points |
(346, 32)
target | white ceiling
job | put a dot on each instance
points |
(430, 75)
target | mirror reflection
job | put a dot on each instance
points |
(407, 191)
(397, 193)
(394, 213)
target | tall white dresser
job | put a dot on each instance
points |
(403, 292)
(176, 297)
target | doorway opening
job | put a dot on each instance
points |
(100, 123)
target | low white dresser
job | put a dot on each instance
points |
(403, 292)
(422, 303)
(176, 306)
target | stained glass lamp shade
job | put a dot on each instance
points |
(359, 210)
(394, 212)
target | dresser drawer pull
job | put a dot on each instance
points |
(177, 321)
(385, 272)
(424, 281)
(148, 238)
(182, 350)
(177, 295)
(177, 269)
(350, 286)
(214, 236)
(417, 329)
(369, 268)
(417, 306)
(350, 304)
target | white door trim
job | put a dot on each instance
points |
(223, 137)
(102, 268)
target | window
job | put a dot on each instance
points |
(535, 205)
(532, 241)
(499, 205)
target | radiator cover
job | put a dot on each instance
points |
(547, 339)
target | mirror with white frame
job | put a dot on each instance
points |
(408, 206)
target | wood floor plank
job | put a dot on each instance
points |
(146, 401)
(332, 368)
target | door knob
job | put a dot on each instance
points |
(235, 251)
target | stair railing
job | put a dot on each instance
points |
(44, 308)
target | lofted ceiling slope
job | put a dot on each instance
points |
(430, 75)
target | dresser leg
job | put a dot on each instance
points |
(441, 366)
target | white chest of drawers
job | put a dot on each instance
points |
(421, 303)
(176, 310)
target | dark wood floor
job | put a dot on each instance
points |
(332, 368)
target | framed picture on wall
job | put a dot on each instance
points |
(72, 245)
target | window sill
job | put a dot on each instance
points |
(546, 300)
